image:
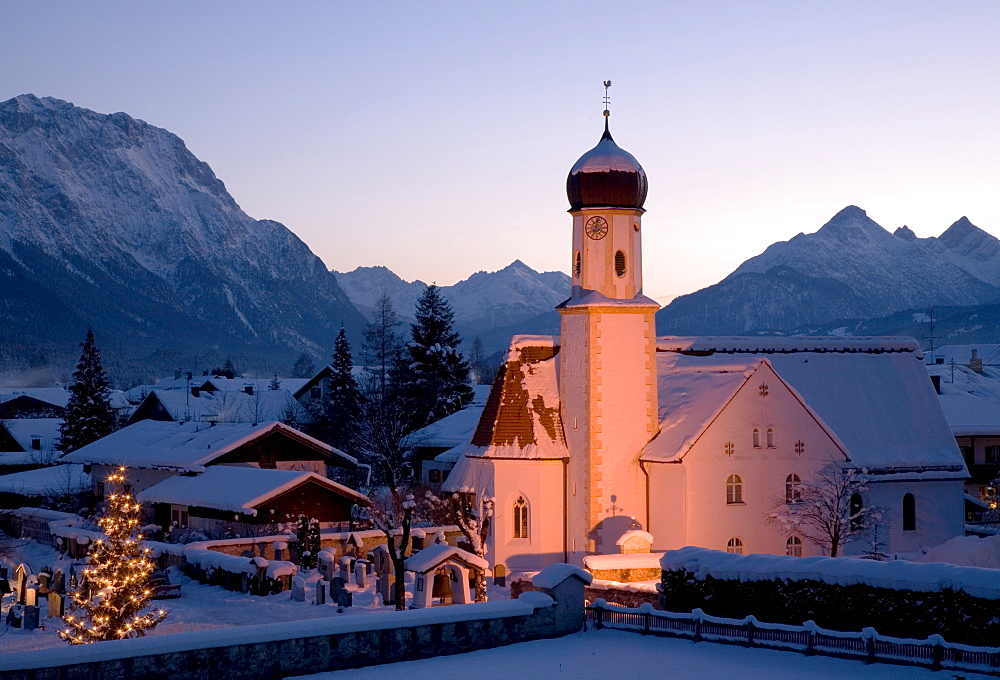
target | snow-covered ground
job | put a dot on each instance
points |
(200, 607)
(620, 654)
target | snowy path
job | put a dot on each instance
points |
(619, 654)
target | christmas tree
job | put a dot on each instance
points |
(89, 415)
(114, 589)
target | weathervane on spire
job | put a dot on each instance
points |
(607, 99)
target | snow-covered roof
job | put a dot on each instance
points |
(521, 418)
(872, 393)
(55, 480)
(433, 555)
(962, 354)
(57, 396)
(236, 488)
(24, 430)
(223, 406)
(554, 574)
(971, 401)
(454, 429)
(650, 560)
(184, 446)
(635, 533)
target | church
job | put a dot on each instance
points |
(607, 428)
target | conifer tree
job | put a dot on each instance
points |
(340, 416)
(436, 381)
(114, 591)
(380, 347)
(228, 370)
(303, 367)
(89, 415)
(275, 383)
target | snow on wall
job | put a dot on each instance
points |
(629, 561)
(893, 575)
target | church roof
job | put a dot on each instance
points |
(521, 417)
(607, 176)
(874, 394)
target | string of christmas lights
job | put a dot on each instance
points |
(114, 591)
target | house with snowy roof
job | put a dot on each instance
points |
(248, 405)
(153, 451)
(969, 393)
(607, 429)
(438, 445)
(222, 494)
(33, 402)
(28, 443)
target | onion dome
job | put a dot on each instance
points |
(607, 176)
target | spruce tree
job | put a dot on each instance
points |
(380, 346)
(111, 598)
(341, 410)
(436, 381)
(89, 415)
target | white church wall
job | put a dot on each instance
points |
(711, 520)
(939, 514)
(541, 484)
(667, 520)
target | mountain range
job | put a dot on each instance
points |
(110, 222)
(851, 268)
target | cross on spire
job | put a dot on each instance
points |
(607, 99)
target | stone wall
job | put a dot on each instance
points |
(278, 650)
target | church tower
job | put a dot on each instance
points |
(608, 351)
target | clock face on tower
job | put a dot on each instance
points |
(597, 228)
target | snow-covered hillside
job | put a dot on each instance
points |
(851, 268)
(109, 221)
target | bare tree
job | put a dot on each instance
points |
(828, 509)
(473, 516)
(393, 512)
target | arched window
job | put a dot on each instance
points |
(756, 438)
(793, 488)
(620, 263)
(578, 264)
(857, 505)
(735, 546)
(520, 518)
(770, 438)
(793, 546)
(734, 490)
(909, 513)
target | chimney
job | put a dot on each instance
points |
(36, 442)
(177, 374)
(248, 389)
(936, 380)
(195, 391)
(975, 363)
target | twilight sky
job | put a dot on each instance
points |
(435, 137)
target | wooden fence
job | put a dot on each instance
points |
(867, 645)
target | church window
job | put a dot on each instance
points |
(520, 518)
(909, 513)
(770, 438)
(756, 438)
(620, 263)
(793, 546)
(793, 488)
(735, 546)
(578, 264)
(857, 505)
(734, 490)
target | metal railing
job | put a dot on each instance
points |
(867, 645)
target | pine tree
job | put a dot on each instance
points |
(477, 363)
(114, 590)
(303, 367)
(89, 415)
(380, 346)
(340, 414)
(228, 370)
(436, 381)
(275, 383)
